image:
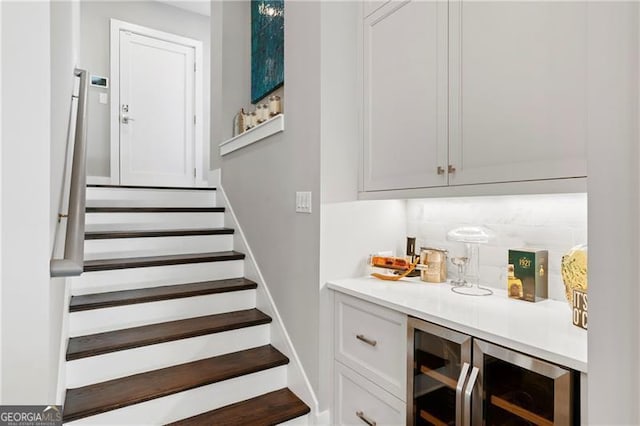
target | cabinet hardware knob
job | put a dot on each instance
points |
(366, 340)
(364, 418)
(441, 170)
(451, 169)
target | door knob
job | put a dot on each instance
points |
(126, 119)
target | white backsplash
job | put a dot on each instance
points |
(551, 222)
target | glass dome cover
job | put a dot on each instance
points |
(470, 234)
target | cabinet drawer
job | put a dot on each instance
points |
(358, 401)
(372, 340)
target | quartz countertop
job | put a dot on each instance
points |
(542, 329)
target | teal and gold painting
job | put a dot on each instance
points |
(267, 47)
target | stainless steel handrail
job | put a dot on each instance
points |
(73, 262)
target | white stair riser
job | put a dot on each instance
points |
(114, 365)
(120, 317)
(153, 221)
(98, 197)
(117, 248)
(298, 421)
(195, 401)
(136, 278)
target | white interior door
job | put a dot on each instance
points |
(156, 117)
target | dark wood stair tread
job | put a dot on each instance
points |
(118, 340)
(265, 410)
(173, 259)
(153, 294)
(154, 210)
(101, 397)
(181, 188)
(103, 235)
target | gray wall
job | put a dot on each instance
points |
(261, 180)
(94, 56)
(231, 36)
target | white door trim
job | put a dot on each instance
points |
(115, 27)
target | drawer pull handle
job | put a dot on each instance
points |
(364, 418)
(366, 340)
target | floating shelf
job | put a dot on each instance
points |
(261, 131)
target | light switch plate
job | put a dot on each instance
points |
(103, 98)
(303, 202)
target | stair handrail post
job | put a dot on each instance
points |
(73, 262)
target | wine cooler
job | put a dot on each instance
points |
(456, 379)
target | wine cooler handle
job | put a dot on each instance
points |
(364, 418)
(459, 387)
(467, 395)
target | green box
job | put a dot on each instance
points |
(530, 267)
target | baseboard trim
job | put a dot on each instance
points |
(297, 379)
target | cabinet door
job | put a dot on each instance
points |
(518, 79)
(513, 388)
(439, 361)
(405, 96)
(357, 401)
(370, 340)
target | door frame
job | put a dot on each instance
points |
(201, 158)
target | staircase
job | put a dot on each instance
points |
(163, 327)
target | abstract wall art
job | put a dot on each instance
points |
(267, 47)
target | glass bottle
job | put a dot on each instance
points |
(514, 285)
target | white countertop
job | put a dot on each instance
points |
(542, 329)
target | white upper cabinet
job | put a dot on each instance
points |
(518, 91)
(480, 92)
(405, 95)
(371, 6)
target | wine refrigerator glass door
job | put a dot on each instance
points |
(516, 389)
(438, 364)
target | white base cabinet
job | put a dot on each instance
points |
(370, 355)
(360, 401)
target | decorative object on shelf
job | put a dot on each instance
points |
(530, 270)
(253, 120)
(267, 47)
(264, 112)
(574, 275)
(275, 105)
(260, 115)
(238, 122)
(472, 237)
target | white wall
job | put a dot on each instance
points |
(25, 221)
(613, 163)
(94, 56)
(65, 45)
(554, 222)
